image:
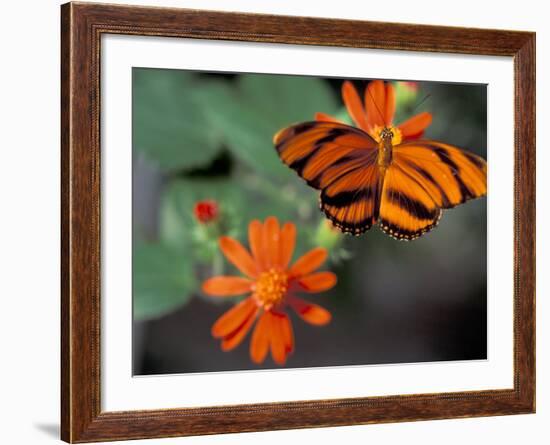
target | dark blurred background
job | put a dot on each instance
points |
(208, 136)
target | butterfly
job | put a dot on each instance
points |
(379, 173)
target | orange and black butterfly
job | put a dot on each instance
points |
(378, 173)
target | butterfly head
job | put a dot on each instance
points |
(387, 134)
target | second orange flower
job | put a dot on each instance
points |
(376, 112)
(271, 283)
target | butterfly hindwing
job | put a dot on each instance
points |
(407, 210)
(351, 201)
(340, 160)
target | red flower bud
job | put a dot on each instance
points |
(412, 86)
(206, 211)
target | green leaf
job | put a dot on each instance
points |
(247, 134)
(163, 280)
(169, 126)
(285, 100)
(261, 105)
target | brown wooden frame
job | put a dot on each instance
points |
(82, 25)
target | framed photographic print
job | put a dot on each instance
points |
(276, 222)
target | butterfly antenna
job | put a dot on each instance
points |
(426, 97)
(376, 106)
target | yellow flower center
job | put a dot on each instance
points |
(270, 288)
(379, 132)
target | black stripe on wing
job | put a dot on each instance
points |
(347, 198)
(444, 156)
(401, 234)
(446, 203)
(415, 209)
(413, 206)
(355, 228)
(284, 136)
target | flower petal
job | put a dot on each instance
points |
(271, 241)
(288, 241)
(255, 239)
(309, 312)
(318, 282)
(389, 111)
(277, 340)
(375, 104)
(226, 286)
(308, 262)
(233, 318)
(239, 256)
(323, 117)
(259, 344)
(236, 337)
(287, 333)
(354, 106)
(415, 124)
(412, 137)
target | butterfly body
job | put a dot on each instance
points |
(385, 150)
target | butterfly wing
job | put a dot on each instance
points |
(423, 178)
(352, 200)
(407, 210)
(339, 160)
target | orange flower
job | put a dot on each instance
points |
(272, 284)
(377, 112)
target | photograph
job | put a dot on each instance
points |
(285, 221)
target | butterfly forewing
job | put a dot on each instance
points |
(340, 160)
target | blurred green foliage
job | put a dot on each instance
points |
(169, 125)
(252, 111)
(163, 279)
(184, 123)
